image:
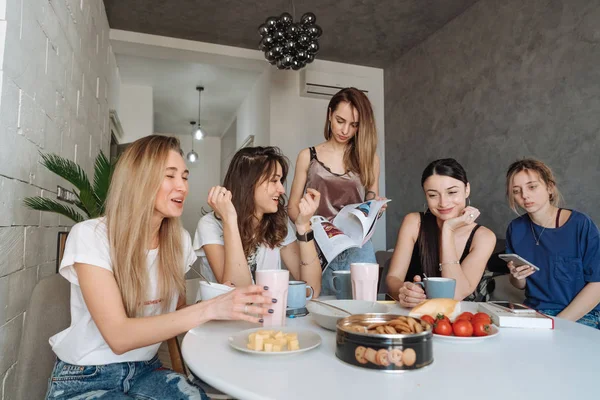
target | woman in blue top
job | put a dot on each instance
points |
(564, 244)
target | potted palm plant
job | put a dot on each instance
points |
(90, 197)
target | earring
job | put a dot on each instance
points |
(468, 202)
(425, 208)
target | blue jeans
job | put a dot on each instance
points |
(590, 319)
(146, 380)
(364, 254)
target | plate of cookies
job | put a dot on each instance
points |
(276, 341)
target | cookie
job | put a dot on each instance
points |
(409, 357)
(359, 354)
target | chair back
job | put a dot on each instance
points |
(47, 314)
(383, 259)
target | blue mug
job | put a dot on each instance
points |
(438, 288)
(297, 294)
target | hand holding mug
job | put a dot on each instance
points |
(411, 294)
(466, 217)
(219, 199)
(239, 303)
(520, 272)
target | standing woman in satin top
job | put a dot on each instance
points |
(563, 243)
(344, 169)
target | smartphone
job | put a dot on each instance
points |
(517, 260)
(513, 307)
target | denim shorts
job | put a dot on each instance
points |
(590, 319)
(364, 254)
(146, 380)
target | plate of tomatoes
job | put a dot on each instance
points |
(467, 327)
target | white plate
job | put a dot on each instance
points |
(307, 339)
(493, 332)
(328, 317)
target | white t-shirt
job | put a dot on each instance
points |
(81, 343)
(210, 231)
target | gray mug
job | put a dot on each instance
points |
(438, 288)
(342, 285)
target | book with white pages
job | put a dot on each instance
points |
(507, 319)
(353, 226)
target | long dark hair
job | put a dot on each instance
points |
(360, 152)
(250, 167)
(429, 232)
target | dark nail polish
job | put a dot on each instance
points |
(271, 311)
(266, 288)
(274, 300)
(261, 320)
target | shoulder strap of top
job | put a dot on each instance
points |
(558, 218)
(469, 241)
(313, 153)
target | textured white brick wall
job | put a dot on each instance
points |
(56, 65)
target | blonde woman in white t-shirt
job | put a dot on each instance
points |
(250, 228)
(127, 279)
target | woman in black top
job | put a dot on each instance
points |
(444, 241)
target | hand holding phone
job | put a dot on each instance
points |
(519, 267)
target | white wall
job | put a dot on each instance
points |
(136, 112)
(204, 174)
(253, 115)
(55, 71)
(228, 147)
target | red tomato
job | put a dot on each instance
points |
(483, 317)
(466, 315)
(463, 328)
(443, 328)
(481, 328)
(429, 319)
(441, 317)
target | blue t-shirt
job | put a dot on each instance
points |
(568, 258)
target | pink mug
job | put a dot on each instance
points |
(364, 278)
(277, 280)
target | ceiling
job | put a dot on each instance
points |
(372, 33)
(175, 97)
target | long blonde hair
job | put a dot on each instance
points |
(360, 152)
(129, 209)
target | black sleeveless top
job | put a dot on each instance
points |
(415, 268)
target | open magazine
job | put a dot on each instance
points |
(353, 226)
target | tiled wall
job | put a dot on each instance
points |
(56, 65)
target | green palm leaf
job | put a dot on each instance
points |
(74, 174)
(103, 169)
(44, 204)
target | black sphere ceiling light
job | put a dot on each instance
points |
(288, 44)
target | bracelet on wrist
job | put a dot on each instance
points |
(449, 263)
(303, 264)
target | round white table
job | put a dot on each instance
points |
(516, 364)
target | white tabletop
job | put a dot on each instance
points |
(517, 364)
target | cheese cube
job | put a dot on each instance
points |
(258, 343)
(268, 347)
(278, 335)
(277, 347)
(294, 345)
